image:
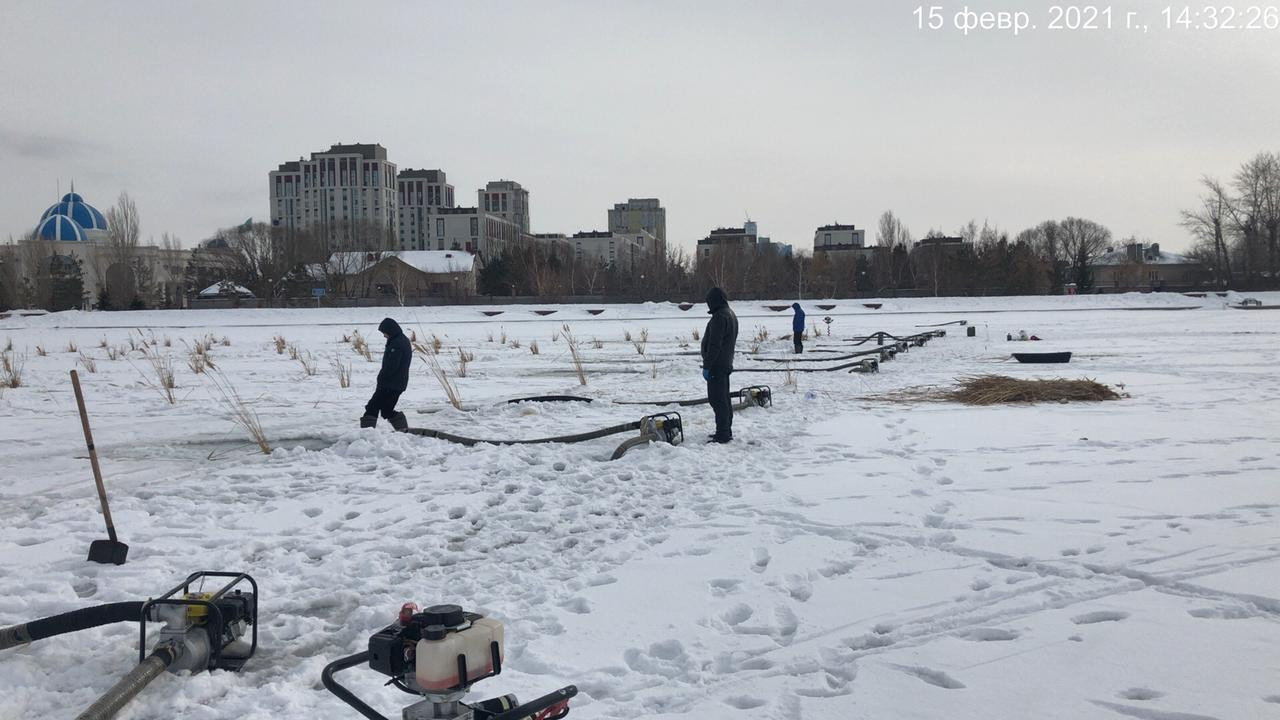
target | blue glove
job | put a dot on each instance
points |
(706, 374)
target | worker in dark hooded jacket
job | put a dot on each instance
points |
(718, 344)
(393, 378)
(797, 327)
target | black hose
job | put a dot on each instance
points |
(550, 398)
(849, 356)
(130, 685)
(345, 695)
(69, 622)
(845, 366)
(580, 437)
(682, 403)
(953, 322)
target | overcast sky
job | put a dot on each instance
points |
(794, 115)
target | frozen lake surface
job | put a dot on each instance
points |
(847, 556)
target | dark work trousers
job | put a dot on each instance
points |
(383, 402)
(718, 394)
(798, 340)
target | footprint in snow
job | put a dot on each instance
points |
(759, 559)
(984, 634)
(744, 702)
(1100, 616)
(577, 605)
(1139, 694)
(723, 586)
(1148, 714)
(799, 587)
(312, 512)
(937, 678)
(737, 614)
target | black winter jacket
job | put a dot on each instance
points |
(721, 336)
(394, 375)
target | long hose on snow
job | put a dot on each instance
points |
(69, 622)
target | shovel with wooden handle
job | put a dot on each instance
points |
(110, 550)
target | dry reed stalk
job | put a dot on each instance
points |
(343, 370)
(11, 365)
(242, 413)
(308, 363)
(442, 377)
(575, 354)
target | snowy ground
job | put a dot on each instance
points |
(845, 557)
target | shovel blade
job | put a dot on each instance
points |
(108, 552)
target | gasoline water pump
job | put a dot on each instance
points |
(438, 654)
(201, 631)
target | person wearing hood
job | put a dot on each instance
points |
(393, 378)
(718, 345)
(797, 327)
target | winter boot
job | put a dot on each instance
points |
(400, 422)
(369, 421)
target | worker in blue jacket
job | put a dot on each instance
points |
(797, 327)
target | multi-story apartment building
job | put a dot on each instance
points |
(474, 230)
(641, 215)
(742, 237)
(624, 251)
(745, 238)
(420, 193)
(506, 199)
(347, 192)
(836, 240)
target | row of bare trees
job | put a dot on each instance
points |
(1236, 225)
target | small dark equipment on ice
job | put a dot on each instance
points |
(438, 654)
(1045, 357)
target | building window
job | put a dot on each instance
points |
(475, 226)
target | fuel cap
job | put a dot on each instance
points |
(446, 615)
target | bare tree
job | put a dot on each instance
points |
(119, 275)
(1082, 242)
(263, 257)
(1207, 225)
(399, 274)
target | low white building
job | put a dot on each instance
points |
(405, 275)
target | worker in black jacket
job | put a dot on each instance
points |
(718, 343)
(393, 378)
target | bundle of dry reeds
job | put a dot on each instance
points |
(1001, 389)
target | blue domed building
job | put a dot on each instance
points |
(71, 219)
(74, 249)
